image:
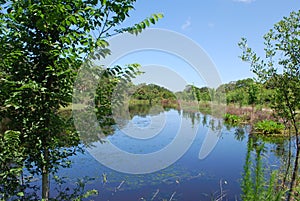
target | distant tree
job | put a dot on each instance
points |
(193, 93)
(236, 91)
(204, 93)
(244, 83)
(196, 93)
(188, 93)
(252, 97)
(238, 96)
(111, 93)
(152, 92)
(281, 66)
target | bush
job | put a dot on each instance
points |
(269, 127)
(232, 119)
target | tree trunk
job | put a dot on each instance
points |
(288, 161)
(45, 178)
(296, 165)
(295, 173)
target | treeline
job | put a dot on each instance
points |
(153, 94)
(241, 92)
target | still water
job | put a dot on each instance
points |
(216, 177)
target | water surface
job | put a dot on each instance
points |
(189, 178)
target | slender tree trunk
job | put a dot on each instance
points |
(295, 174)
(288, 160)
(45, 178)
(296, 164)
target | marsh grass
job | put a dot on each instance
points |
(259, 182)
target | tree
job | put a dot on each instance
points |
(196, 93)
(252, 97)
(111, 94)
(281, 65)
(11, 156)
(43, 45)
(152, 92)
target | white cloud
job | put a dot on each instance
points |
(187, 24)
(245, 1)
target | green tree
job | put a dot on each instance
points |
(238, 96)
(43, 45)
(281, 65)
(196, 93)
(152, 92)
(188, 93)
(252, 97)
(11, 156)
(111, 94)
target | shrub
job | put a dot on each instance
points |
(232, 119)
(269, 127)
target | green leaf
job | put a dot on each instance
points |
(68, 22)
(160, 15)
(68, 7)
(73, 19)
(146, 21)
(152, 20)
(62, 28)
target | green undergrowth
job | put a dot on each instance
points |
(232, 119)
(268, 127)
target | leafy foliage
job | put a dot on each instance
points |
(269, 127)
(44, 43)
(254, 185)
(280, 70)
(241, 92)
(77, 193)
(112, 92)
(11, 166)
(232, 119)
(282, 43)
(192, 93)
(152, 93)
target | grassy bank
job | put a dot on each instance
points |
(262, 120)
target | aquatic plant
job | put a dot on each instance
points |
(259, 183)
(79, 192)
(232, 119)
(268, 127)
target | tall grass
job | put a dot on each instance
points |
(259, 183)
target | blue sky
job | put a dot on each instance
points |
(217, 26)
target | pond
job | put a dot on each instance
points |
(174, 176)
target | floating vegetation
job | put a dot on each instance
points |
(232, 119)
(269, 127)
(168, 176)
(104, 178)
